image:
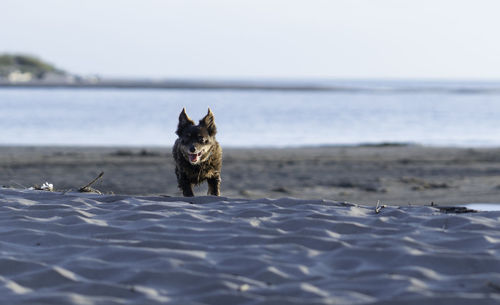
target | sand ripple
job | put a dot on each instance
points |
(91, 249)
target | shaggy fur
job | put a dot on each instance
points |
(197, 154)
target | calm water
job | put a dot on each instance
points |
(431, 113)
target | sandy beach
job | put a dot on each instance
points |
(294, 226)
(76, 248)
(395, 175)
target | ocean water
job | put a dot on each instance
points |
(430, 113)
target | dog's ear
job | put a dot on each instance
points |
(209, 122)
(184, 121)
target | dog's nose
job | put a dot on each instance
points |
(192, 149)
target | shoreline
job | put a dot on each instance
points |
(184, 85)
(410, 86)
(393, 175)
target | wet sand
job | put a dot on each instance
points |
(395, 175)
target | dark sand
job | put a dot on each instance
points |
(395, 175)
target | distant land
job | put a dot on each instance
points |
(23, 69)
(28, 71)
(18, 70)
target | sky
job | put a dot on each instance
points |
(310, 39)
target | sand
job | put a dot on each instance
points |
(78, 248)
(395, 175)
(121, 247)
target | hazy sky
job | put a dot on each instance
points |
(259, 38)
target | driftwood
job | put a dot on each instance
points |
(457, 210)
(88, 189)
(379, 207)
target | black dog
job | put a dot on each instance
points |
(197, 155)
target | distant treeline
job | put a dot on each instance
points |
(10, 63)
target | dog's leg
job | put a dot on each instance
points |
(214, 186)
(187, 191)
(185, 185)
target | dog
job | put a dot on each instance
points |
(197, 154)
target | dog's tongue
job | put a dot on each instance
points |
(193, 157)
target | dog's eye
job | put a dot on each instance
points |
(202, 140)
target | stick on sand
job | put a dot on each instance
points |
(88, 189)
(379, 207)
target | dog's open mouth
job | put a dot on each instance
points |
(193, 158)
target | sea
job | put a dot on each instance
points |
(434, 113)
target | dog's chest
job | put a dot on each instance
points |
(201, 172)
(197, 173)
